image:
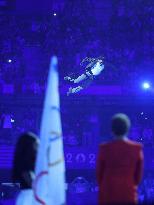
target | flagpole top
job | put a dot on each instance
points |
(54, 62)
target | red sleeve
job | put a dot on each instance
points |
(139, 166)
(100, 165)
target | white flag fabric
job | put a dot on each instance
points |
(49, 185)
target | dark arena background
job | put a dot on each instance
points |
(120, 30)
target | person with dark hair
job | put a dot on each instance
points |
(24, 165)
(119, 165)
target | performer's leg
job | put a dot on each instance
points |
(74, 90)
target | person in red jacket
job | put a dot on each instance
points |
(119, 165)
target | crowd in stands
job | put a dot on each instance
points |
(125, 42)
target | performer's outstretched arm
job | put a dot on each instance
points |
(78, 79)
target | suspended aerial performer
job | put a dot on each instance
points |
(94, 67)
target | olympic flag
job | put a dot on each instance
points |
(49, 185)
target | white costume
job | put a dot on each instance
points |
(25, 197)
(97, 69)
(93, 69)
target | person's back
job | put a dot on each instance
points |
(119, 171)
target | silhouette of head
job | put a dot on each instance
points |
(25, 155)
(120, 125)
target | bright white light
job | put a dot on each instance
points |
(146, 85)
(55, 14)
(12, 120)
(9, 61)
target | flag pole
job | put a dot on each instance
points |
(49, 185)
